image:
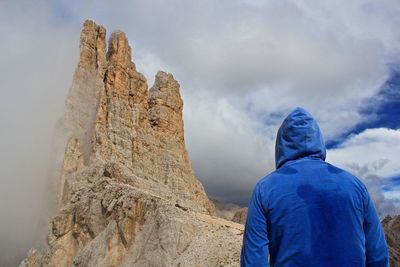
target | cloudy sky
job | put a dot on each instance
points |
(242, 66)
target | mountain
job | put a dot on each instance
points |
(127, 194)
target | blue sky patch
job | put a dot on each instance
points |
(392, 184)
(381, 111)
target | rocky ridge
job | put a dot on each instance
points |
(127, 192)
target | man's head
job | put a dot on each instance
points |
(298, 137)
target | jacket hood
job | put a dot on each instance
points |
(298, 137)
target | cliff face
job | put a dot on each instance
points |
(118, 120)
(127, 192)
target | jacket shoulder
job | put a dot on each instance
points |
(298, 169)
(345, 174)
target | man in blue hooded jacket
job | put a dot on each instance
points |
(309, 212)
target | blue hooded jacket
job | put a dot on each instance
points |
(309, 212)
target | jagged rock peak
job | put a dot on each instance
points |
(119, 50)
(165, 81)
(128, 124)
(128, 195)
(93, 47)
(166, 105)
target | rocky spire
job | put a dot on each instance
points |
(165, 109)
(93, 47)
(142, 130)
(128, 195)
(122, 111)
(83, 97)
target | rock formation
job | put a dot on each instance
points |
(230, 211)
(127, 192)
(391, 225)
(240, 216)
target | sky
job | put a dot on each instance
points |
(242, 65)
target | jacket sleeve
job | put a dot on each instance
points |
(376, 251)
(255, 239)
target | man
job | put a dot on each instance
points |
(309, 212)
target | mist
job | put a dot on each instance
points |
(242, 66)
(36, 69)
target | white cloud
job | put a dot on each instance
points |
(283, 54)
(394, 196)
(225, 147)
(374, 151)
(37, 60)
(383, 204)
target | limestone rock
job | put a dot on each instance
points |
(240, 216)
(73, 162)
(93, 47)
(230, 211)
(142, 132)
(225, 210)
(109, 222)
(127, 192)
(391, 226)
(34, 259)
